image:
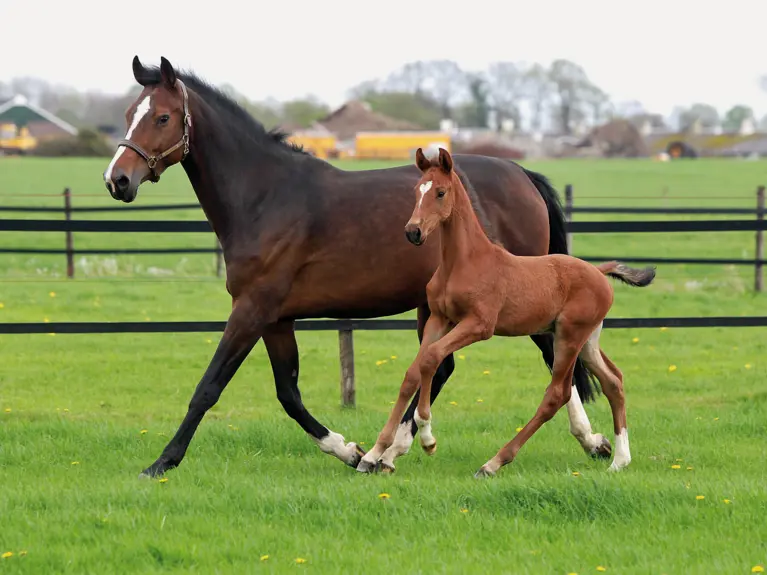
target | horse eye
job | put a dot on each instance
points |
(440, 193)
(163, 119)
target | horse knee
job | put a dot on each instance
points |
(429, 363)
(555, 398)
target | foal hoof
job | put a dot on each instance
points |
(385, 468)
(484, 471)
(602, 451)
(429, 449)
(366, 466)
(356, 456)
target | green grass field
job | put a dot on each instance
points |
(81, 415)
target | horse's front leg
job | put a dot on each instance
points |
(242, 332)
(435, 327)
(280, 342)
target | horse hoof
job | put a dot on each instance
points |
(356, 456)
(602, 451)
(430, 449)
(484, 471)
(366, 466)
(384, 468)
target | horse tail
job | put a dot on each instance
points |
(628, 275)
(583, 379)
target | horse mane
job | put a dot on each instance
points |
(475, 204)
(238, 118)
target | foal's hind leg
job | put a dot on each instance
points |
(568, 341)
(611, 380)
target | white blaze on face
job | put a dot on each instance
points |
(423, 189)
(141, 111)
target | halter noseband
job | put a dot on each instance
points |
(184, 141)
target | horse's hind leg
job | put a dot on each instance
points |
(407, 428)
(568, 341)
(611, 380)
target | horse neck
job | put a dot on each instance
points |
(215, 167)
(461, 234)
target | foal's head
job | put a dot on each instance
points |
(158, 131)
(434, 195)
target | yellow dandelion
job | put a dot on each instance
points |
(675, 466)
(716, 419)
(52, 294)
(700, 497)
(672, 368)
(7, 555)
(576, 473)
(46, 320)
(146, 319)
(480, 400)
(757, 569)
(66, 410)
(362, 443)
(689, 468)
(572, 573)
(163, 480)
(461, 357)
(75, 463)
(383, 496)
(393, 357)
(300, 560)
(7, 410)
(747, 366)
(726, 501)
(486, 372)
(391, 403)
(453, 403)
(519, 429)
(2, 305)
(143, 432)
(381, 362)
(635, 340)
(464, 510)
(208, 341)
(22, 553)
(51, 334)
(264, 557)
(663, 328)
(601, 568)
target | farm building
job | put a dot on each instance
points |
(23, 125)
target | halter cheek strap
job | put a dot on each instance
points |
(183, 142)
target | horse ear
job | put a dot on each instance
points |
(141, 74)
(421, 161)
(445, 161)
(168, 73)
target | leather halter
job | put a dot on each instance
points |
(184, 141)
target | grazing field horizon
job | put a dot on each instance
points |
(82, 415)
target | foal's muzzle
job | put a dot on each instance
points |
(413, 234)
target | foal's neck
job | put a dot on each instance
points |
(461, 234)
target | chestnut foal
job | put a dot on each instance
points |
(480, 290)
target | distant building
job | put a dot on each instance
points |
(23, 125)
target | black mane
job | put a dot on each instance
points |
(239, 119)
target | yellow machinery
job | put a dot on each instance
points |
(15, 140)
(398, 145)
(320, 145)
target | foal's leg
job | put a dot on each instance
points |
(435, 327)
(243, 329)
(280, 342)
(568, 341)
(611, 380)
(407, 428)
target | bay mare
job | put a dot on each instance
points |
(299, 241)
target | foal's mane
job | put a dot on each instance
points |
(475, 204)
(237, 119)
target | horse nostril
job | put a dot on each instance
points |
(122, 182)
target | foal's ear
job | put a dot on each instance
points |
(421, 160)
(168, 73)
(141, 74)
(445, 161)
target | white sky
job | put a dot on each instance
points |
(289, 48)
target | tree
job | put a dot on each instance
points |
(304, 112)
(573, 93)
(538, 91)
(735, 117)
(441, 80)
(705, 114)
(417, 109)
(629, 109)
(476, 111)
(506, 90)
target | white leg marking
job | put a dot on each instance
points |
(580, 426)
(333, 443)
(141, 111)
(402, 442)
(622, 454)
(424, 188)
(424, 430)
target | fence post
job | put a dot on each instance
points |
(219, 258)
(569, 215)
(346, 350)
(70, 250)
(758, 286)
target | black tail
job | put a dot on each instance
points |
(583, 379)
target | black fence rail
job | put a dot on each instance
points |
(69, 226)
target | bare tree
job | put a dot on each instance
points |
(538, 90)
(574, 91)
(506, 90)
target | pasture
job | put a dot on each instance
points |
(81, 415)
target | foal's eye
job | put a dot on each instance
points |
(163, 119)
(440, 193)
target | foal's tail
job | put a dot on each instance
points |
(628, 275)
